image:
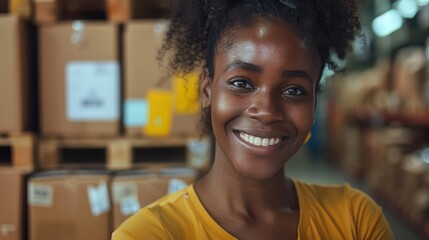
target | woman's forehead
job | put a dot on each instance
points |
(259, 29)
(266, 37)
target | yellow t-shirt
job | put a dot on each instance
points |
(326, 212)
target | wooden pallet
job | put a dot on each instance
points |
(52, 11)
(17, 150)
(116, 153)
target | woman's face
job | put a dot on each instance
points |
(262, 97)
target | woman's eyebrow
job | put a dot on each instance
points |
(297, 73)
(255, 68)
(243, 65)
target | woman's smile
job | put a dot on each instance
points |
(259, 141)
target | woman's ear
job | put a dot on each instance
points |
(206, 85)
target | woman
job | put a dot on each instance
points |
(262, 62)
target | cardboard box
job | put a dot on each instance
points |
(133, 190)
(409, 78)
(12, 204)
(17, 94)
(79, 79)
(69, 204)
(142, 75)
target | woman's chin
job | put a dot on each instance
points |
(258, 173)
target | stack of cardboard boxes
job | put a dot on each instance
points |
(86, 79)
(18, 109)
(84, 204)
(380, 132)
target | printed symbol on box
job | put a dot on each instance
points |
(124, 191)
(98, 199)
(175, 185)
(41, 195)
(158, 121)
(92, 100)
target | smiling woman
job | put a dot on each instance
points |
(262, 65)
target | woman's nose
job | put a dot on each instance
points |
(266, 107)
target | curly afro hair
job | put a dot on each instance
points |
(197, 26)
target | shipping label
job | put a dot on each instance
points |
(99, 199)
(136, 113)
(175, 185)
(92, 91)
(40, 195)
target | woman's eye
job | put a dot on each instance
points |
(293, 91)
(241, 84)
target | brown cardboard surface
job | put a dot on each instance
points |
(146, 187)
(17, 92)
(67, 215)
(142, 40)
(99, 43)
(12, 204)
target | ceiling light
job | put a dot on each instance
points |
(407, 8)
(387, 23)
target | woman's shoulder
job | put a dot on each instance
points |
(150, 221)
(342, 209)
(342, 192)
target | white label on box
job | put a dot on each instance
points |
(124, 190)
(129, 206)
(99, 199)
(136, 113)
(198, 152)
(7, 229)
(175, 185)
(40, 195)
(92, 91)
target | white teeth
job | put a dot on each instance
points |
(265, 142)
(258, 141)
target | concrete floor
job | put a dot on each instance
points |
(313, 169)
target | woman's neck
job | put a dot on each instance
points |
(224, 189)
